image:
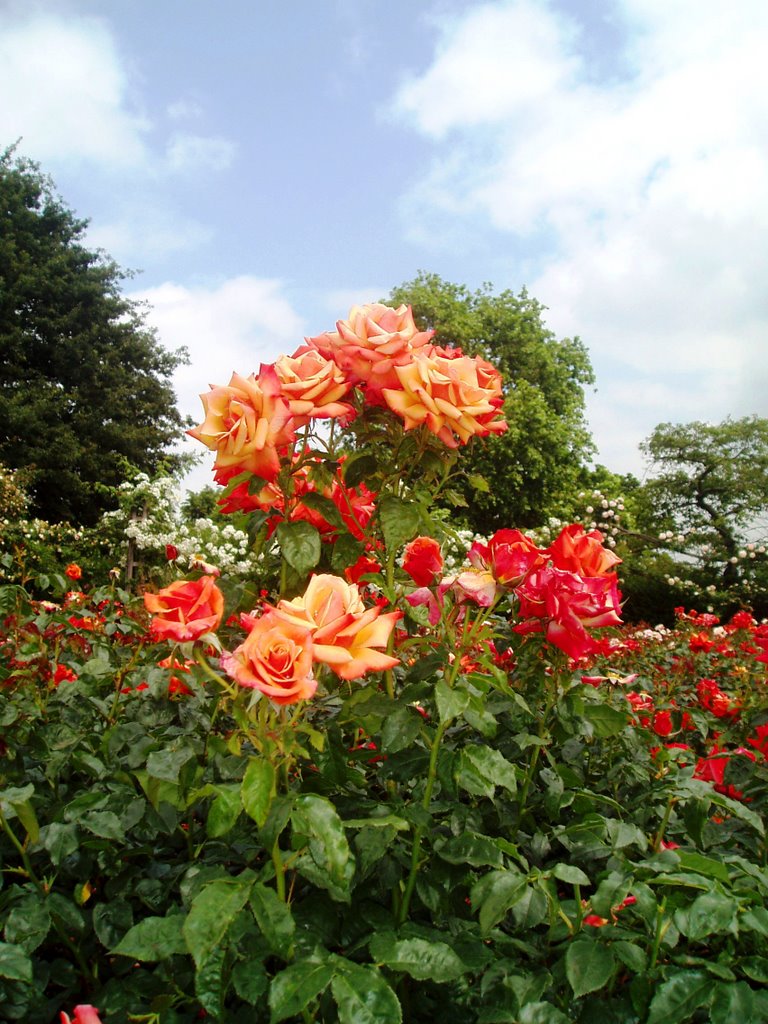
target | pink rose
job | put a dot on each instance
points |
(509, 555)
(275, 658)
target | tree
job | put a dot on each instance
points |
(84, 384)
(533, 469)
(710, 490)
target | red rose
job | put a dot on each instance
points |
(423, 560)
(186, 609)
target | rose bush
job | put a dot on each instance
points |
(373, 785)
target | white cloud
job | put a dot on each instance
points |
(644, 195)
(195, 151)
(145, 233)
(233, 326)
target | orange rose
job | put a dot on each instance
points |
(185, 610)
(371, 342)
(344, 631)
(245, 423)
(312, 385)
(276, 658)
(73, 571)
(422, 560)
(455, 398)
(582, 553)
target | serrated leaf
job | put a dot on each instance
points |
(733, 1003)
(480, 769)
(224, 811)
(363, 996)
(212, 912)
(399, 521)
(28, 923)
(257, 789)
(494, 894)
(451, 701)
(274, 918)
(167, 763)
(324, 507)
(605, 720)
(676, 999)
(541, 1013)
(588, 966)
(709, 914)
(316, 821)
(421, 958)
(300, 545)
(296, 987)
(153, 939)
(15, 963)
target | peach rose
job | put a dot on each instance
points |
(276, 658)
(245, 423)
(455, 398)
(344, 632)
(582, 553)
(371, 342)
(312, 385)
(186, 609)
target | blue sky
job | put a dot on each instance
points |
(265, 165)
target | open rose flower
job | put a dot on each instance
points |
(422, 560)
(583, 553)
(246, 423)
(371, 343)
(456, 399)
(185, 610)
(275, 658)
(73, 571)
(565, 605)
(313, 386)
(509, 555)
(345, 634)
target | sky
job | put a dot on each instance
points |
(263, 166)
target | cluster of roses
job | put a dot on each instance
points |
(562, 590)
(377, 356)
(328, 625)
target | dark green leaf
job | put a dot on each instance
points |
(676, 1000)
(399, 521)
(15, 963)
(451, 701)
(154, 938)
(541, 1013)
(571, 874)
(494, 894)
(420, 958)
(733, 1003)
(605, 720)
(28, 922)
(224, 811)
(589, 965)
(257, 789)
(296, 987)
(316, 823)
(274, 918)
(363, 996)
(300, 545)
(212, 912)
(480, 769)
(166, 764)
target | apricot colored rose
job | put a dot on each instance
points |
(509, 555)
(581, 552)
(454, 398)
(345, 634)
(275, 658)
(186, 609)
(422, 560)
(312, 385)
(246, 423)
(371, 342)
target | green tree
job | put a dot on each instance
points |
(532, 469)
(84, 383)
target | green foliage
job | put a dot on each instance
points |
(84, 383)
(534, 467)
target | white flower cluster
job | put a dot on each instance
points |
(150, 516)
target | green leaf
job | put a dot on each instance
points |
(359, 468)
(631, 956)
(209, 982)
(154, 938)
(316, 823)
(294, 988)
(300, 545)
(325, 507)
(605, 720)
(756, 968)
(678, 998)
(28, 923)
(60, 840)
(257, 789)
(480, 769)
(589, 965)
(399, 520)
(733, 1003)
(451, 701)
(494, 894)
(541, 1013)
(15, 963)
(421, 958)
(703, 865)
(470, 848)
(571, 874)
(166, 764)
(274, 918)
(709, 914)
(250, 981)
(363, 996)
(610, 893)
(224, 811)
(212, 912)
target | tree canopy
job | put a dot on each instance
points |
(84, 384)
(534, 467)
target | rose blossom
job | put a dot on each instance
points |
(422, 560)
(275, 658)
(312, 385)
(509, 555)
(245, 423)
(371, 342)
(344, 632)
(455, 398)
(73, 571)
(84, 1014)
(186, 609)
(582, 553)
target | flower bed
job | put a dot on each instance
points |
(369, 788)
